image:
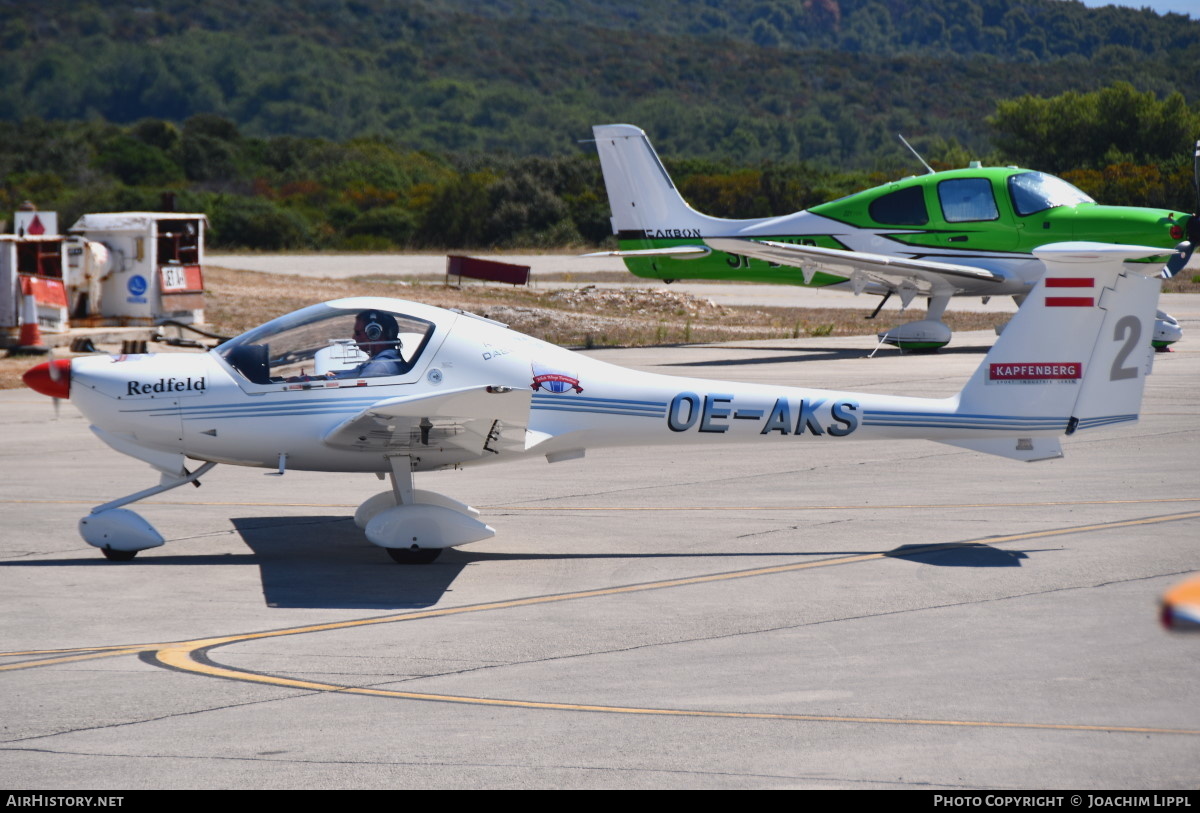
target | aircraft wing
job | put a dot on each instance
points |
(477, 419)
(921, 277)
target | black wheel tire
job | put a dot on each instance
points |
(414, 556)
(118, 555)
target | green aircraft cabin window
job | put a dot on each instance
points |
(967, 199)
(1034, 192)
(904, 207)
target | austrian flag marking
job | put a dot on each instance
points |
(1070, 301)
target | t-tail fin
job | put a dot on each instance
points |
(1075, 356)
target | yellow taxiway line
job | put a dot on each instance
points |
(192, 656)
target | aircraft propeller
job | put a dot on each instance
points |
(1185, 249)
(1196, 176)
(56, 375)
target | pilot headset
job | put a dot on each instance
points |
(371, 327)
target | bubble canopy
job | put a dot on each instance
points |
(320, 342)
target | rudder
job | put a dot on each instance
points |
(1075, 356)
(641, 194)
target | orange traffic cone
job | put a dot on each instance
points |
(29, 342)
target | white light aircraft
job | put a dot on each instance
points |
(392, 387)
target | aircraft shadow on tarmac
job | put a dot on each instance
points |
(959, 555)
(315, 562)
(816, 354)
(322, 562)
(326, 562)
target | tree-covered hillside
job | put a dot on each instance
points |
(439, 123)
(790, 80)
(1014, 30)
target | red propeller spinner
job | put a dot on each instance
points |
(52, 378)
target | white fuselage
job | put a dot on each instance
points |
(195, 405)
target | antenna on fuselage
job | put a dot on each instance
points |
(914, 152)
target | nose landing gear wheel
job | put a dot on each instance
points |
(118, 555)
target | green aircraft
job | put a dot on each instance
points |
(966, 232)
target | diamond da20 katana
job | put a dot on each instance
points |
(397, 388)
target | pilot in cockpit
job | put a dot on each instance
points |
(378, 335)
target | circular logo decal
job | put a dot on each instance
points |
(137, 285)
(434, 376)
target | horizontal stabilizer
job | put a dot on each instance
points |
(679, 252)
(1027, 449)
